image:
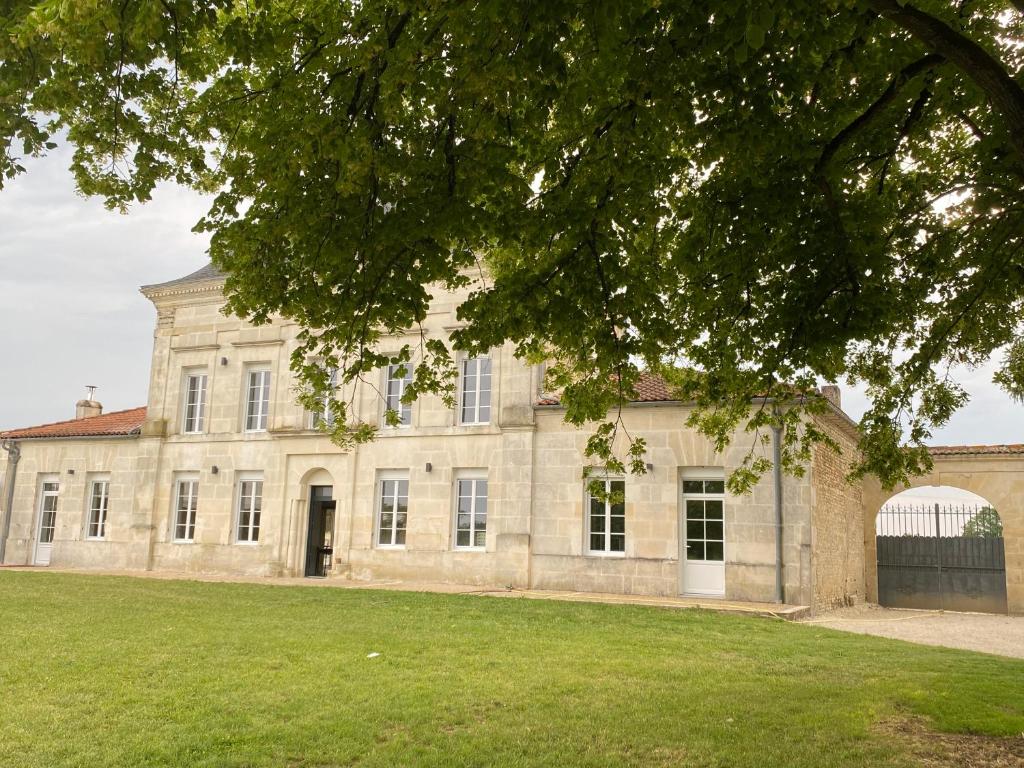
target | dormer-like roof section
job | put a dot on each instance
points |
(209, 272)
(205, 279)
(114, 424)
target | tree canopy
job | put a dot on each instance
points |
(747, 198)
(986, 524)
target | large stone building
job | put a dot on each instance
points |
(222, 471)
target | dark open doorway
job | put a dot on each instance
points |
(320, 537)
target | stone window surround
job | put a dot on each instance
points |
(387, 379)
(181, 478)
(315, 418)
(459, 406)
(382, 476)
(241, 477)
(607, 478)
(461, 475)
(261, 414)
(90, 508)
(189, 373)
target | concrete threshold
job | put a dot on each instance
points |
(773, 610)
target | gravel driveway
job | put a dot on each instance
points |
(988, 633)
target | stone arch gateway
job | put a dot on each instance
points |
(994, 472)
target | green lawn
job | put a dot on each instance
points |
(103, 671)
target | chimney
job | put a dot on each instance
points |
(88, 407)
(832, 393)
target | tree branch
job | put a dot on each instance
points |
(1004, 93)
(915, 114)
(889, 95)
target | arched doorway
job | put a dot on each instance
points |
(940, 548)
(320, 524)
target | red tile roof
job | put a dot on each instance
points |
(977, 450)
(113, 424)
(649, 389)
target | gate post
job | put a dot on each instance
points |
(938, 555)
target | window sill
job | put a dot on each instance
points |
(95, 538)
(469, 549)
(247, 543)
(599, 554)
(391, 547)
(183, 541)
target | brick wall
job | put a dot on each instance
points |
(837, 523)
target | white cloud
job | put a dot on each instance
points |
(990, 416)
(70, 310)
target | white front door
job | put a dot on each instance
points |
(702, 536)
(47, 521)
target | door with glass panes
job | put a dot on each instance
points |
(702, 536)
(48, 493)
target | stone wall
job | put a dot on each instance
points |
(532, 460)
(75, 464)
(651, 563)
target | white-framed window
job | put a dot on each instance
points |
(704, 504)
(99, 502)
(398, 378)
(257, 399)
(49, 493)
(475, 391)
(194, 407)
(606, 518)
(324, 415)
(392, 510)
(186, 504)
(471, 512)
(250, 509)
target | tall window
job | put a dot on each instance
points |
(99, 498)
(393, 512)
(399, 377)
(48, 511)
(476, 391)
(471, 514)
(325, 414)
(606, 532)
(195, 402)
(705, 527)
(257, 402)
(250, 505)
(185, 505)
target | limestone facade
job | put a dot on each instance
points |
(536, 526)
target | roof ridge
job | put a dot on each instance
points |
(978, 448)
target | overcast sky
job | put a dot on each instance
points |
(71, 313)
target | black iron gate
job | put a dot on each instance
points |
(949, 557)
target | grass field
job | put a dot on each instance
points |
(106, 671)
